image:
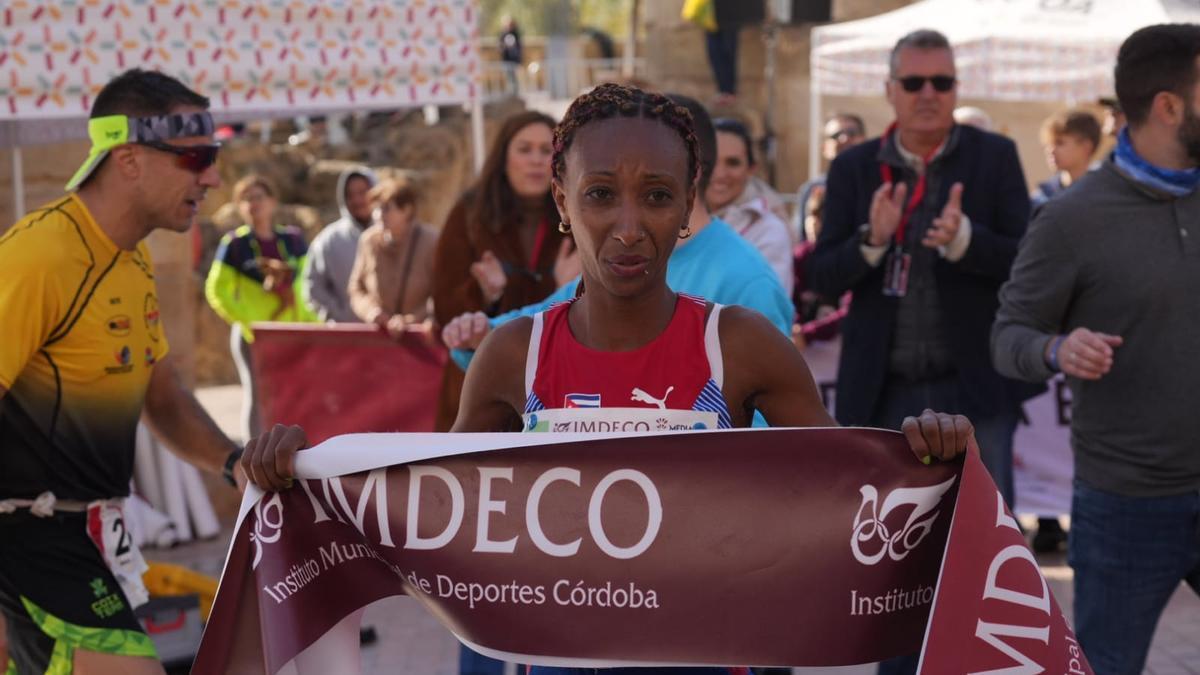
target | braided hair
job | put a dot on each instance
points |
(608, 101)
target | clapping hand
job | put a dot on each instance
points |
(945, 227)
(489, 274)
(887, 206)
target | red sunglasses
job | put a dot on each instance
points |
(194, 158)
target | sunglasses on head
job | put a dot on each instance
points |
(914, 83)
(194, 158)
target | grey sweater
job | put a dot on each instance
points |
(1114, 256)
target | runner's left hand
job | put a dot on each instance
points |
(269, 460)
(936, 435)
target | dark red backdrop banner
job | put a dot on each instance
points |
(346, 378)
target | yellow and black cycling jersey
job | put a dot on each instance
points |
(82, 334)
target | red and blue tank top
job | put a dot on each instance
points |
(671, 383)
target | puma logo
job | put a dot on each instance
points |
(642, 397)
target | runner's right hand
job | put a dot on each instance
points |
(269, 460)
(466, 331)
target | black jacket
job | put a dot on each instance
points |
(996, 200)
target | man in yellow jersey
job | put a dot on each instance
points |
(82, 358)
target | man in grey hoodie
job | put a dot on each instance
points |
(331, 255)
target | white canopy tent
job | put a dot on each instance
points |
(1009, 50)
(253, 59)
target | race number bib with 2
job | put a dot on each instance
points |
(107, 528)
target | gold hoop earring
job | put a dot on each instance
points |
(687, 232)
(564, 227)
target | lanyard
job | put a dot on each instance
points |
(538, 242)
(257, 249)
(918, 193)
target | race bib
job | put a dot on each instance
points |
(108, 530)
(618, 420)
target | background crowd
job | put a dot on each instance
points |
(903, 250)
(947, 282)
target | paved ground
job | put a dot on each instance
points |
(411, 641)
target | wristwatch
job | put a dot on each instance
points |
(864, 235)
(230, 462)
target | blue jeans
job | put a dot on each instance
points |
(470, 663)
(1129, 555)
(994, 433)
(722, 47)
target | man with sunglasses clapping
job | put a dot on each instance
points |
(83, 357)
(922, 225)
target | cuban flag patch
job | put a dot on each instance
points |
(581, 401)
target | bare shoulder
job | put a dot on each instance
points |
(764, 371)
(741, 327)
(510, 338)
(497, 371)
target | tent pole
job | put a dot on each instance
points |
(814, 120)
(18, 179)
(627, 58)
(477, 140)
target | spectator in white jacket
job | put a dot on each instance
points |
(746, 202)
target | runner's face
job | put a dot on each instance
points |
(170, 194)
(626, 193)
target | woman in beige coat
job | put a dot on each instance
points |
(391, 282)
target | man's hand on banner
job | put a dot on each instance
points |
(935, 435)
(269, 460)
